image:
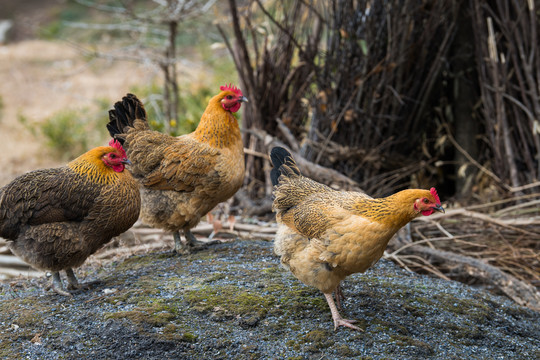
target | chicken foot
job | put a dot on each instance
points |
(338, 320)
(191, 243)
(57, 285)
(74, 284)
(178, 246)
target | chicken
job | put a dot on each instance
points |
(325, 235)
(184, 177)
(55, 218)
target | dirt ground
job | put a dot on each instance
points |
(39, 78)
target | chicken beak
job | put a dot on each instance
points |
(243, 99)
(438, 208)
(126, 162)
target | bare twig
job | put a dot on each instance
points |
(473, 161)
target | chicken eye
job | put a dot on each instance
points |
(426, 201)
(112, 156)
(229, 97)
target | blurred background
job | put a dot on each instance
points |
(389, 94)
(63, 64)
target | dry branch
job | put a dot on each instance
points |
(319, 173)
(481, 244)
(12, 261)
(465, 266)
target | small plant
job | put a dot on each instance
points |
(191, 105)
(64, 133)
(71, 132)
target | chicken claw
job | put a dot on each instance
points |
(191, 244)
(338, 320)
(57, 285)
(347, 323)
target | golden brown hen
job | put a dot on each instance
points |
(325, 235)
(55, 218)
(184, 177)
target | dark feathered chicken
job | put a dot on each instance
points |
(55, 218)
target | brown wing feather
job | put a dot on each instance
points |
(145, 149)
(311, 208)
(44, 196)
(163, 162)
(314, 215)
(293, 190)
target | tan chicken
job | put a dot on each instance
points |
(55, 218)
(184, 177)
(325, 235)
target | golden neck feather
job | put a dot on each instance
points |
(91, 166)
(218, 127)
(393, 211)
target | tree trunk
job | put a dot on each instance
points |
(170, 86)
(465, 95)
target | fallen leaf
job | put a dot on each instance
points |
(36, 339)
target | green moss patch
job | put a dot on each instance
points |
(229, 300)
(318, 340)
(156, 314)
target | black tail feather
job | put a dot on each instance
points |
(124, 114)
(280, 156)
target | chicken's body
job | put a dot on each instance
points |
(184, 177)
(325, 235)
(55, 218)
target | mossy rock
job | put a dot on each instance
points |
(234, 301)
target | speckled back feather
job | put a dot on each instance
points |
(290, 187)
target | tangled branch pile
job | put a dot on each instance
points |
(348, 81)
(508, 63)
(407, 95)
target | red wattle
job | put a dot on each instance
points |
(118, 168)
(233, 108)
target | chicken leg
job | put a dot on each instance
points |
(338, 320)
(72, 280)
(178, 246)
(191, 243)
(340, 297)
(181, 247)
(57, 285)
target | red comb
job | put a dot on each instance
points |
(116, 144)
(231, 87)
(435, 195)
